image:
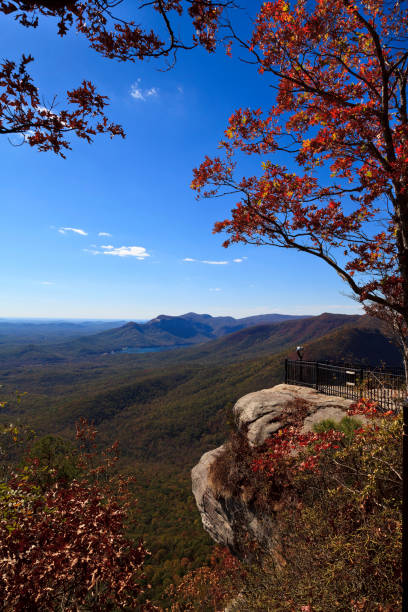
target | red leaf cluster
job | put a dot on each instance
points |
(365, 407)
(115, 36)
(47, 129)
(281, 456)
(210, 587)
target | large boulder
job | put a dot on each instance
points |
(260, 412)
(232, 520)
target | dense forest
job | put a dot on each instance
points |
(167, 409)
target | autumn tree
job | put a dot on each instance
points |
(339, 71)
(210, 587)
(63, 532)
(113, 31)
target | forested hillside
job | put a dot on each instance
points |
(167, 409)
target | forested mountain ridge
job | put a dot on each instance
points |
(27, 342)
(35, 367)
(166, 330)
(255, 336)
(270, 339)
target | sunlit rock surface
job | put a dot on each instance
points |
(261, 411)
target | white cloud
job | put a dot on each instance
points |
(123, 251)
(46, 283)
(127, 251)
(138, 93)
(215, 263)
(212, 262)
(214, 289)
(107, 234)
(64, 230)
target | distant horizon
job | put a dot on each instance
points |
(149, 318)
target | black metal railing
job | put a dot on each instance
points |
(384, 385)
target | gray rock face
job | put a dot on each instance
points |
(230, 520)
(215, 520)
(261, 411)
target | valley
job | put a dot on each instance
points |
(167, 408)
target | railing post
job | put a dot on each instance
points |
(286, 371)
(317, 375)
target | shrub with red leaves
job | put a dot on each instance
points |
(66, 548)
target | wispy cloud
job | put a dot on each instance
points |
(106, 234)
(138, 93)
(107, 247)
(46, 283)
(214, 289)
(75, 230)
(212, 262)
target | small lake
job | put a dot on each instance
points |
(149, 349)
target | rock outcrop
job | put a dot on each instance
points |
(232, 519)
(260, 412)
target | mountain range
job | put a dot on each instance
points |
(170, 331)
(196, 337)
(200, 337)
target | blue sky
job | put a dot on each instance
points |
(143, 245)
